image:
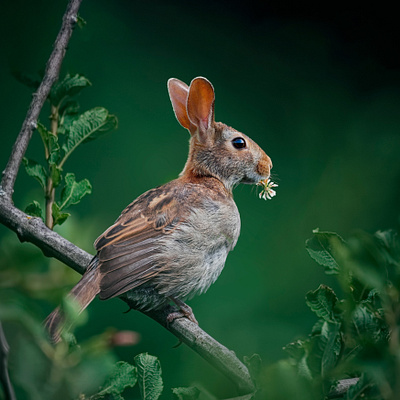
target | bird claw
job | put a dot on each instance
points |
(184, 312)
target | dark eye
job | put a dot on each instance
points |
(239, 143)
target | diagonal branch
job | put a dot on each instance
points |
(52, 244)
(342, 387)
(50, 76)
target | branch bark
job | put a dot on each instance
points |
(50, 76)
(342, 388)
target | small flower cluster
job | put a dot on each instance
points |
(266, 189)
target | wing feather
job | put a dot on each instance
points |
(127, 250)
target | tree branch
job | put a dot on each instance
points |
(50, 76)
(4, 377)
(342, 388)
(223, 359)
(52, 244)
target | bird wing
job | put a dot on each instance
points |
(127, 250)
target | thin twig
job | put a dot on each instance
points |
(4, 377)
(50, 76)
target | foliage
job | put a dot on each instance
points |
(68, 370)
(69, 129)
(356, 335)
(42, 371)
(149, 376)
(124, 375)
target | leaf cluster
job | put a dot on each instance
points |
(356, 335)
(69, 128)
(68, 370)
(145, 373)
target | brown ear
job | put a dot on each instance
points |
(200, 104)
(178, 93)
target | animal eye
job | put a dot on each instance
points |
(239, 143)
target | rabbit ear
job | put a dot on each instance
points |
(200, 104)
(178, 93)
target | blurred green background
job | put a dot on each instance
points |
(318, 91)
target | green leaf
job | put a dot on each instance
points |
(55, 174)
(66, 122)
(367, 262)
(186, 393)
(362, 389)
(316, 329)
(323, 247)
(389, 245)
(69, 86)
(88, 126)
(34, 209)
(325, 349)
(35, 170)
(322, 302)
(43, 132)
(123, 376)
(50, 143)
(54, 149)
(366, 325)
(149, 376)
(331, 343)
(68, 109)
(73, 191)
(58, 216)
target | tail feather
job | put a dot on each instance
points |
(54, 323)
(83, 293)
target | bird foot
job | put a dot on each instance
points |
(184, 312)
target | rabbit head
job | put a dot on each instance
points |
(216, 149)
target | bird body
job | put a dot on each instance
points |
(171, 243)
(184, 231)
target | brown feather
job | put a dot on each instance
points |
(83, 293)
(126, 250)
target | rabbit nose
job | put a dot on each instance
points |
(264, 166)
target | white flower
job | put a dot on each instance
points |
(267, 192)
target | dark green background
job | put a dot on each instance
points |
(318, 90)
